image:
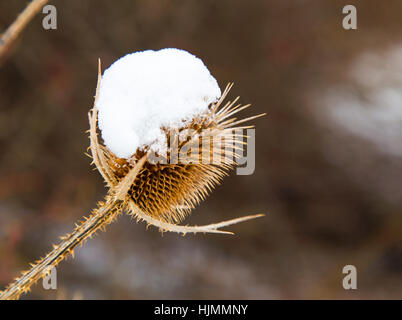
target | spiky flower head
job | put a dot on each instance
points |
(166, 105)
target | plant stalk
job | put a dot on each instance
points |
(12, 32)
(103, 215)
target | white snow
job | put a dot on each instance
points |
(378, 116)
(144, 91)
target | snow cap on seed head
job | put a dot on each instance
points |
(145, 91)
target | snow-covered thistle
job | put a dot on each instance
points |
(154, 105)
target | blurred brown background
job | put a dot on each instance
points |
(328, 165)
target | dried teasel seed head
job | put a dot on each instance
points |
(177, 122)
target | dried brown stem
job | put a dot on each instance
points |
(102, 216)
(9, 36)
(107, 211)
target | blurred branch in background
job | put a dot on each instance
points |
(9, 36)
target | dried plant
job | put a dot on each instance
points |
(13, 31)
(159, 194)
